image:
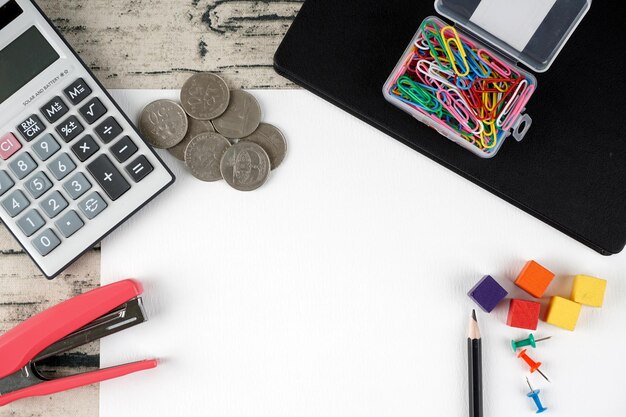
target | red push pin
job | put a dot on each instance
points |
(534, 366)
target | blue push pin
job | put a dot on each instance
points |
(534, 394)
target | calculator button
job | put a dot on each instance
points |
(77, 186)
(31, 222)
(15, 203)
(70, 128)
(108, 130)
(38, 184)
(69, 223)
(139, 168)
(92, 205)
(93, 110)
(31, 127)
(54, 109)
(9, 145)
(23, 165)
(5, 182)
(46, 242)
(123, 149)
(46, 147)
(53, 204)
(77, 91)
(85, 148)
(109, 178)
(61, 166)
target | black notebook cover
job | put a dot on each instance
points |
(570, 169)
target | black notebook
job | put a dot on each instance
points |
(570, 169)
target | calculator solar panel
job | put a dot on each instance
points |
(72, 166)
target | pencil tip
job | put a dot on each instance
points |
(474, 315)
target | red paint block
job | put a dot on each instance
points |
(523, 314)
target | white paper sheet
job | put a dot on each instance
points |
(338, 289)
(513, 21)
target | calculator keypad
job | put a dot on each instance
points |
(49, 188)
(45, 147)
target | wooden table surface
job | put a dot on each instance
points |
(137, 44)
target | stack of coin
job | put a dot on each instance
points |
(217, 133)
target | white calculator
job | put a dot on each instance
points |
(72, 165)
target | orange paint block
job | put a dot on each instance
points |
(534, 279)
(588, 290)
(563, 313)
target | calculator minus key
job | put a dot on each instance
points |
(92, 205)
(69, 128)
(46, 242)
(77, 91)
(139, 168)
(123, 149)
(108, 177)
(93, 110)
(108, 130)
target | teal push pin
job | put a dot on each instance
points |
(529, 341)
(534, 394)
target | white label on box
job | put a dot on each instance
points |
(513, 21)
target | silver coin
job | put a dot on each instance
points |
(242, 116)
(195, 128)
(245, 166)
(205, 96)
(271, 140)
(163, 123)
(203, 155)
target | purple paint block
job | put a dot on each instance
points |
(487, 293)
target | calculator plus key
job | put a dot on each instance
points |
(15, 203)
(31, 222)
(108, 130)
(77, 91)
(109, 178)
(123, 149)
(31, 128)
(69, 223)
(53, 204)
(22, 165)
(70, 128)
(38, 184)
(8, 146)
(46, 147)
(5, 182)
(77, 185)
(54, 109)
(93, 110)
(85, 148)
(139, 168)
(46, 242)
(92, 205)
(61, 166)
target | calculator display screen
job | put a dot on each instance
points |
(22, 60)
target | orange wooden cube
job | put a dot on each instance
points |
(534, 279)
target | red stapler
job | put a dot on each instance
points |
(80, 320)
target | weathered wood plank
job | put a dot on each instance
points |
(158, 43)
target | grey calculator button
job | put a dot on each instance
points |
(23, 165)
(5, 182)
(46, 242)
(53, 204)
(46, 147)
(31, 222)
(77, 185)
(69, 223)
(92, 205)
(38, 184)
(61, 166)
(15, 203)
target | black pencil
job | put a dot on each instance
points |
(475, 368)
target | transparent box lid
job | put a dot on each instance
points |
(530, 31)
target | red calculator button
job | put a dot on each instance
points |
(9, 145)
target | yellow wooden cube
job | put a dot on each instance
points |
(563, 313)
(588, 290)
